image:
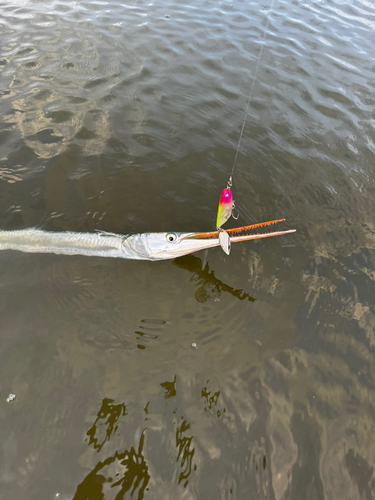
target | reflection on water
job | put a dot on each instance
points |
(126, 471)
(211, 400)
(110, 411)
(208, 285)
(49, 130)
(185, 451)
(125, 117)
(170, 389)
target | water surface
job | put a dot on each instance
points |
(208, 377)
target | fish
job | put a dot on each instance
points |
(138, 246)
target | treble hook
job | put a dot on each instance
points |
(235, 217)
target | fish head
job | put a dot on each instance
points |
(161, 246)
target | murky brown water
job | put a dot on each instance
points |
(125, 117)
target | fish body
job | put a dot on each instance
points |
(99, 244)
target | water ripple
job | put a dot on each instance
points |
(252, 375)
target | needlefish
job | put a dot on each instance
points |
(139, 246)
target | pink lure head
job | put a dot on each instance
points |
(225, 207)
(226, 197)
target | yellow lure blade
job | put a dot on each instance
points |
(225, 207)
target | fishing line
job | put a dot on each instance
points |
(226, 203)
(229, 185)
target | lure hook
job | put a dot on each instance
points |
(235, 214)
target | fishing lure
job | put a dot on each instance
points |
(224, 212)
(225, 207)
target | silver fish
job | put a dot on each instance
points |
(139, 246)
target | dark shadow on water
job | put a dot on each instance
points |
(207, 284)
(185, 452)
(106, 475)
(112, 413)
(170, 389)
(126, 474)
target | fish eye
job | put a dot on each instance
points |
(171, 237)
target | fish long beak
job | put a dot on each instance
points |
(160, 246)
(235, 236)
